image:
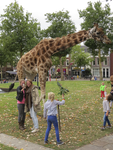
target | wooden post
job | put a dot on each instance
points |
(59, 118)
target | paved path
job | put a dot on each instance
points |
(19, 143)
(105, 143)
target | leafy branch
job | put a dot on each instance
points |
(62, 90)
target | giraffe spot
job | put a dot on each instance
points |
(32, 63)
(47, 47)
(30, 59)
(43, 59)
(45, 41)
(80, 38)
(47, 55)
(35, 60)
(28, 65)
(41, 66)
(43, 50)
(45, 70)
(26, 57)
(38, 53)
(41, 69)
(68, 40)
(58, 43)
(70, 44)
(50, 52)
(31, 68)
(84, 38)
(33, 53)
(26, 62)
(51, 44)
(76, 41)
(79, 34)
(73, 37)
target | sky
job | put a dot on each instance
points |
(39, 8)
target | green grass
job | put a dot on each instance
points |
(81, 116)
(3, 147)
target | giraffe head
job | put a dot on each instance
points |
(98, 34)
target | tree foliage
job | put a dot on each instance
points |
(19, 31)
(79, 57)
(96, 13)
(61, 25)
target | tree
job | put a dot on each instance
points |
(80, 58)
(19, 31)
(61, 25)
(4, 58)
(56, 61)
(95, 13)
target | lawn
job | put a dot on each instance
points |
(81, 116)
(3, 147)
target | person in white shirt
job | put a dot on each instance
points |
(50, 112)
(106, 110)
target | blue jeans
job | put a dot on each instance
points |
(34, 117)
(50, 120)
(105, 118)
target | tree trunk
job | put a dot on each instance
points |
(1, 72)
(80, 72)
(100, 65)
(61, 69)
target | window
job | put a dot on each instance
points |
(97, 61)
(67, 62)
(105, 62)
(93, 62)
(96, 72)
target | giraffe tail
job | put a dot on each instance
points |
(12, 84)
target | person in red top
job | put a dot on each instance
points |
(21, 94)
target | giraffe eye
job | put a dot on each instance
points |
(98, 32)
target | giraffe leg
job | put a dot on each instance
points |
(42, 79)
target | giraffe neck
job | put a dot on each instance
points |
(69, 41)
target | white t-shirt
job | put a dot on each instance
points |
(106, 106)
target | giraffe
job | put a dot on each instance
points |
(38, 59)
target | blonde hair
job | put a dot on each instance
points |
(29, 81)
(21, 80)
(51, 96)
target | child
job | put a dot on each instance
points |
(106, 111)
(112, 96)
(102, 88)
(51, 106)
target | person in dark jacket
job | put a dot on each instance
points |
(21, 104)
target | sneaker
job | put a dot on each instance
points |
(60, 143)
(35, 130)
(46, 142)
(102, 128)
(109, 127)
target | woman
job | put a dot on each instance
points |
(21, 104)
(32, 103)
(50, 112)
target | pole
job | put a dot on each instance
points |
(37, 80)
(59, 118)
(50, 74)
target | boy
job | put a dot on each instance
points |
(102, 88)
(106, 110)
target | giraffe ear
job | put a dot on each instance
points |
(95, 24)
